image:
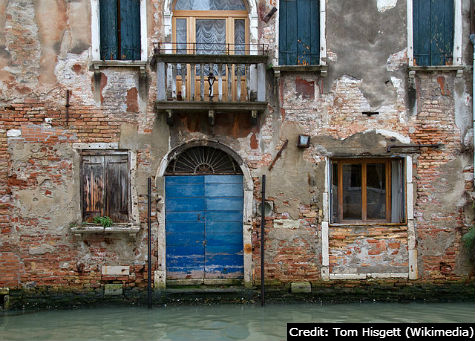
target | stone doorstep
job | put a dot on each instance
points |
(300, 287)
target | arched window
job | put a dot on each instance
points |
(210, 26)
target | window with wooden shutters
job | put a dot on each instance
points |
(433, 30)
(105, 186)
(299, 32)
(120, 29)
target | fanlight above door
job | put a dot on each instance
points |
(203, 160)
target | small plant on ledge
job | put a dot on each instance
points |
(103, 221)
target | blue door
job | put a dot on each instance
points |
(204, 226)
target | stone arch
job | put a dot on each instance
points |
(247, 209)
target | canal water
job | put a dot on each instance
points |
(213, 322)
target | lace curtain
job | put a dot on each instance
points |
(210, 36)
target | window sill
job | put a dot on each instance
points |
(323, 69)
(131, 230)
(356, 224)
(439, 68)
(96, 65)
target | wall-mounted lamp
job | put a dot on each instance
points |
(270, 14)
(211, 79)
(303, 141)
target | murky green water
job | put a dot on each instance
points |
(216, 322)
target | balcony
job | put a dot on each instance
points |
(194, 78)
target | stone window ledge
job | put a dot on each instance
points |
(96, 65)
(369, 224)
(131, 230)
(441, 68)
(323, 69)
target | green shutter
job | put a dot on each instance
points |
(130, 29)
(299, 32)
(433, 32)
(108, 27)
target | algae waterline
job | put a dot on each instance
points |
(324, 292)
(214, 322)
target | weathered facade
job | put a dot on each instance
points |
(382, 191)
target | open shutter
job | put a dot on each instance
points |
(299, 32)
(108, 28)
(433, 32)
(117, 188)
(92, 187)
(130, 29)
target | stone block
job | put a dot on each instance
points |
(115, 270)
(286, 224)
(113, 290)
(300, 287)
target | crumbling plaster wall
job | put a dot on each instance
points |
(41, 59)
(366, 47)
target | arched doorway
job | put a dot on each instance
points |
(204, 203)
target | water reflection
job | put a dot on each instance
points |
(216, 322)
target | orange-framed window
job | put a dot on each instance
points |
(367, 191)
(210, 27)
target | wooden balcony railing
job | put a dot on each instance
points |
(221, 77)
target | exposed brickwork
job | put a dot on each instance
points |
(40, 165)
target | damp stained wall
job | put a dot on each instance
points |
(366, 47)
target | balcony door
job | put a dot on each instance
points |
(210, 27)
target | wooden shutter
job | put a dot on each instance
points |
(92, 185)
(130, 29)
(299, 32)
(433, 32)
(108, 28)
(117, 188)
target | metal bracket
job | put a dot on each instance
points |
(211, 117)
(412, 79)
(170, 118)
(418, 146)
(254, 117)
(279, 153)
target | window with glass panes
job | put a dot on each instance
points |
(210, 27)
(367, 190)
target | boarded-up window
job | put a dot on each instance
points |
(433, 32)
(120, 29)
(299, 32)
(105, 187)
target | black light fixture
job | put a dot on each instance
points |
(270, 14)
(303, 141)
(211, 79)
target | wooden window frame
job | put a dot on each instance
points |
(364, 221)
(191, 17)
(99, 153)
(229, 17)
